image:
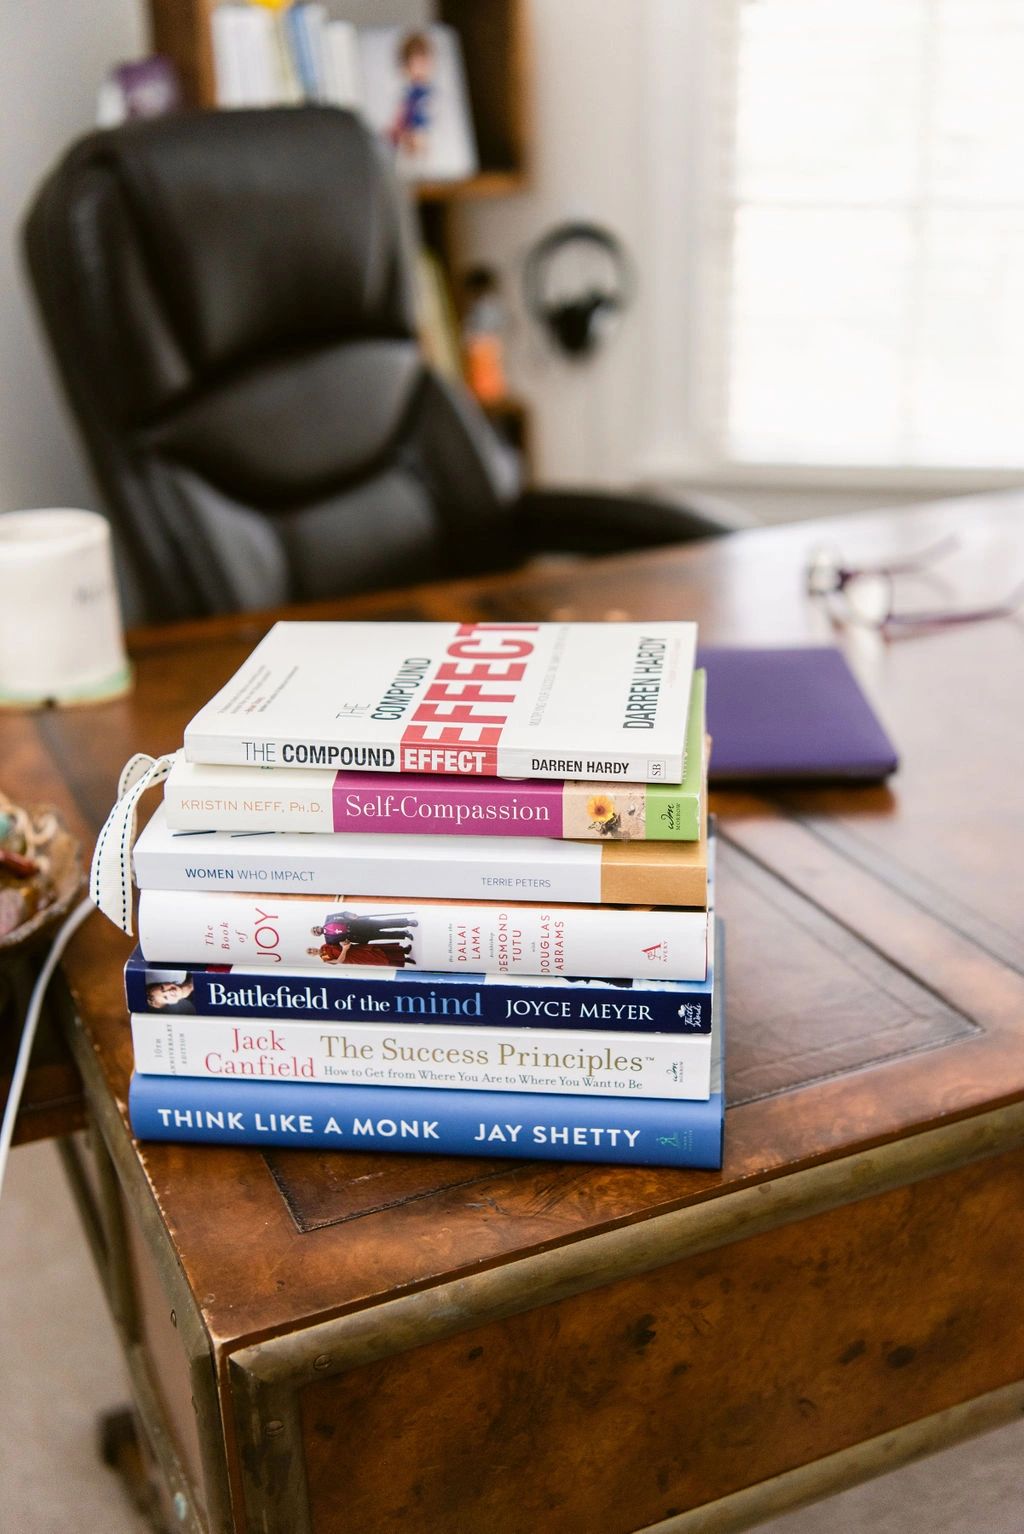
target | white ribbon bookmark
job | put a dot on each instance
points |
(110, 879)
(110, 886)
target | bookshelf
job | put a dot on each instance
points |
(492, 35)
(493, 38)
(488, 183)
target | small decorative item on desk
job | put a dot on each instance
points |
(60, 619)
(41, 877)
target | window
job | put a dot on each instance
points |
(863, 234)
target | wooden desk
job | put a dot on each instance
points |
(358, 1343)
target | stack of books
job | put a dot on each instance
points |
(524, 961)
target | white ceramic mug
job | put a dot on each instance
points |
(61, 639)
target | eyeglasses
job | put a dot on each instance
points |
(865, 594)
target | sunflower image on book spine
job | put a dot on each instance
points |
(610, 817)
(603, 815)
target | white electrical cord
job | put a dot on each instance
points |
(32, 1015)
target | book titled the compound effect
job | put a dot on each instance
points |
(605, 702)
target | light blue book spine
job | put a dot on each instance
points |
(296, 21)
(636, 1132)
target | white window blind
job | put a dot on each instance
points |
(866, 302)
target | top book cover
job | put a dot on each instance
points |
(603, 701)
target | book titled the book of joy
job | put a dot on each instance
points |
(199, 928)
(598, 701)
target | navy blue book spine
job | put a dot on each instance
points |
(634, 1132)
(664, 1007)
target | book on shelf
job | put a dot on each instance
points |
(436, 323)
(342, 84)
(252, 60)
(266, 56)
(447, 867)
(235, 86)
(415, 98)
(537, 700)
(304, 30)
(205, 797)
(268, 929)
(410, 996)
(635, 1131)
(288, 89)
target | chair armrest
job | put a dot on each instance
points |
(595, 522)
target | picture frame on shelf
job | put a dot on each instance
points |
(415, 97)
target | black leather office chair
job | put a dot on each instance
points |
(226, 294)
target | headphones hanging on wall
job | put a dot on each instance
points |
(574, 308)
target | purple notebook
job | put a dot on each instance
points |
(790, 713)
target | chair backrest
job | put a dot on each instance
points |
(227, 297)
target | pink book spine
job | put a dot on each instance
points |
(447, 806)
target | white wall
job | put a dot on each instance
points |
(53, 54)
(616, 104)
(590, 133)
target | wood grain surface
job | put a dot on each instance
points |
(669, 1390)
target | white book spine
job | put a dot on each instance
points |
(286, 86)
(259, 68)
(227, 25)
(380, 867)
(341, 65)
(445, 1058)
(598, 702)
(271, 930)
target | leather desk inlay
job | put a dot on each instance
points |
(807, 1000)
(320, 1191)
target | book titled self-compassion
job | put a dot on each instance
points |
(605, 701)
